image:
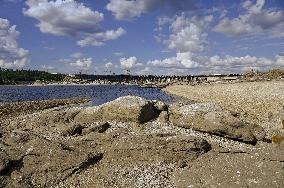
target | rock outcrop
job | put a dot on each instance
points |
(153, 148)
(39, 162)
(211, 118)
(18, 108)
(123, 109)
(108, 146)
(251, 169)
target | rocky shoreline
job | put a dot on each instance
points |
(133, 142)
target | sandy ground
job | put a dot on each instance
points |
(257, 102)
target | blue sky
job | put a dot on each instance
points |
(142, 36)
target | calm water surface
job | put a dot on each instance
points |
(98, 93)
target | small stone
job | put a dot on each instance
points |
(74, 129)
(163, 117)
(101, 128)
(160, 106)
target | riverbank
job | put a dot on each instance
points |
(133, 142)
(256, 102)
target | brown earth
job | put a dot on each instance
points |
(55, 148)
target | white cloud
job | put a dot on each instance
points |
(235, 27)
(63, 17)
(48, 68)
(188, 34)
(165, 63)
(11, 56)
(164, 20)
(76, 55)
(255, 20)
(108, 65)
(182, 64)
(187, 39)
(118, 53)
(183, 60)
(245, 61)
(129, 63)
(232, 64)
(82, 64)
(280, 60)
(129, 9)
(98, 39)
(78, 62)
(70, 18)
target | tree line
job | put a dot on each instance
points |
(10, 76)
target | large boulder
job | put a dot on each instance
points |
(123, 109)
(211, 118)
(156, 148)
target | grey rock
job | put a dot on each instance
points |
(73, 129)
(160, 106)
(211, 118)
(100, 128)
(156, 149)
(163, 117)
(123, 109)
(44, 163)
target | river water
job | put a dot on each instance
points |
(99, 94)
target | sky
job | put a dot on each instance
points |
(162, 37)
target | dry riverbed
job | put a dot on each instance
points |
(133, 142)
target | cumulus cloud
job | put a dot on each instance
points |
(82, 64)
(280, 60)
(108, 65)
(76, 55)
(98, 39)
(11, 56)
(63, 17)
(129, 63)
(245, 61)
(255, 20)
(70, 18)
(118, 53)
(129, 9)
(188, 34)
(181, 64)
(78, 62)
(184, 60)
(233, 64)
(188, 37)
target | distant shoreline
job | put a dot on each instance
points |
(64, 84)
